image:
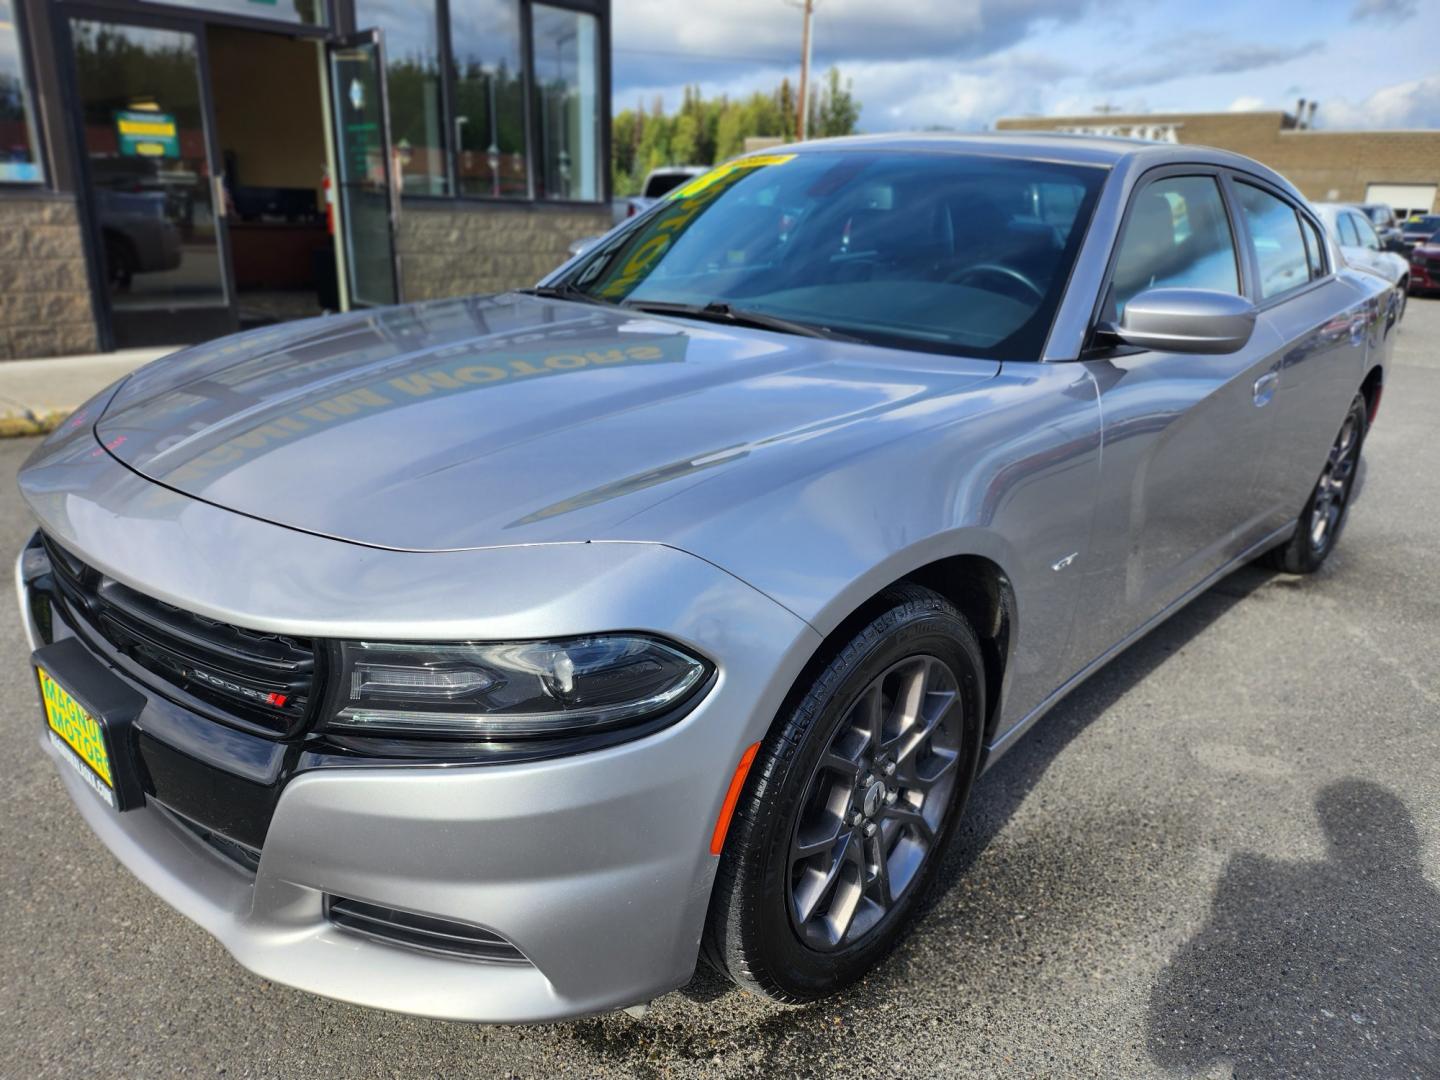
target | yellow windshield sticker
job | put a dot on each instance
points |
(700, 183)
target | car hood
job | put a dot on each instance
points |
(483, 422)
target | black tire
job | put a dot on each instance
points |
(1328, 507)
(120, 263)
(921, 647)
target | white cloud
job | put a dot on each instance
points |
(1413, 104)
(1246, 103)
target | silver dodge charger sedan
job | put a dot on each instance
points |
(495, 659)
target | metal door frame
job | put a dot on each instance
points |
(64, 12)
(362, 38)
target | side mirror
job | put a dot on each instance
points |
(1187, 321)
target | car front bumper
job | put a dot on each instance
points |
(596, 866)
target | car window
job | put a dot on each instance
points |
(947, 252)
(1275, 240)
(1366, 232)
(664, 183)
(1314, 248)
(1346, 225)
(1177, 235)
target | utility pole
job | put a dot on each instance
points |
(804, 111)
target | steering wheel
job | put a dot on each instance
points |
(995, 270)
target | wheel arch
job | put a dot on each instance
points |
(1371, 387)
(979, 588)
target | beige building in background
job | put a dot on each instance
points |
(1401, 168)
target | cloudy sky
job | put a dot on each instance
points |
(963, 63)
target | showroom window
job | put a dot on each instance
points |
(415, 81)
(518, 110)
(489, 98)
(19, 147)
(567, 103)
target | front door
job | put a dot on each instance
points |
(156, 210)
(365, 185)
(1187, 437)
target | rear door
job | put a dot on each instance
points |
(1323, 325)
(1187, 437)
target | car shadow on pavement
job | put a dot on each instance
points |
(1313, 968)
(1005, 787)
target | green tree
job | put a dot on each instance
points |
(707, 131)
(834, 110)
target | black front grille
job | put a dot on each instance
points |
(421, 931)
(265, 681)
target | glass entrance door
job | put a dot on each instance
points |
(156, 204)
(361, 121)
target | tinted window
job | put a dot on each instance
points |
(1275, 239)
(664, 183)
(1366, 232)
(1314, 249)
(1177, 236)
(1348, 236)
(946, 251)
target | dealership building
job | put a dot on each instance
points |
(1401, 168)
(171, 172)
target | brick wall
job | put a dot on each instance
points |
(1324, 165)
(451, 249)
(44, 291)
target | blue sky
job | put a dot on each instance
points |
(964, 63)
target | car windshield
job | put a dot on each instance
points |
(1424, 225)
(938, 251)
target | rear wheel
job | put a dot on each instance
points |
(850, 801)
(1324, 514)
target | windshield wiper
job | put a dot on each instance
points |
(733, 316)
(563, 291)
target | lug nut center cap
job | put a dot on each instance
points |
(874, 798)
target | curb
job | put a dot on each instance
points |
(17, 426)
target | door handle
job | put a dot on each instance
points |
(1265, 388)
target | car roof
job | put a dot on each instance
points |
(1106, 151)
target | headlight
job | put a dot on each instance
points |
(506, 691)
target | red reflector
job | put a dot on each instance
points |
(277, 700)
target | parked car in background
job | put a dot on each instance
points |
(1387, 225)
(1420, 229)
(660, 183)
(1425, 267)
(1351, 228)
(494, 659)
(138, 235)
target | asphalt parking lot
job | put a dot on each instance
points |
(1221, 856)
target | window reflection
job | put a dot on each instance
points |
(489, 98)
(411, 30)
(567, 82)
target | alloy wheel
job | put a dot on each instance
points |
(1333, 491)
(875, 802)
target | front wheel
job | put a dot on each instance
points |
(1324, 514)
(849, 805)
